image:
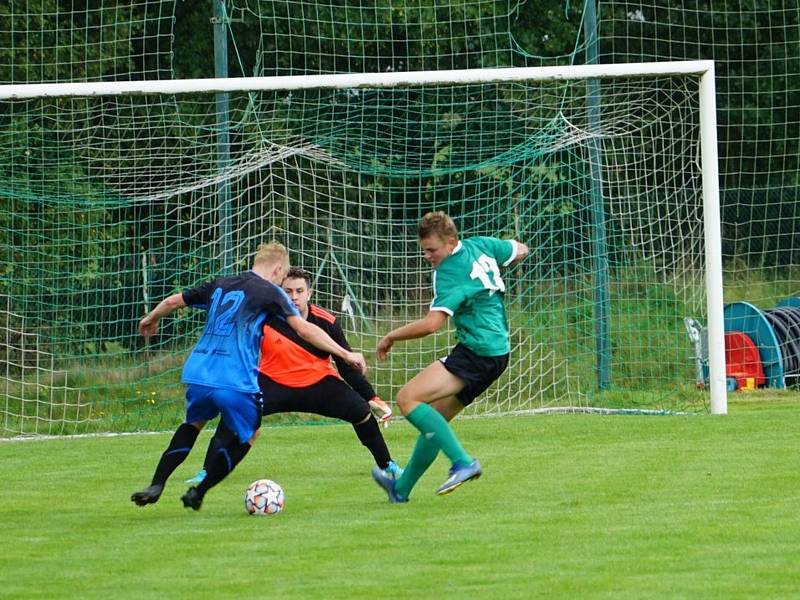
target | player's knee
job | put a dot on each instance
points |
(405, 402)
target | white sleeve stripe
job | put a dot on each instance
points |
(514, 252)
(443, 309)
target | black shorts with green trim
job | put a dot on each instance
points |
(477, 372)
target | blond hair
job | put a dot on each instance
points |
(436, 223)
(271, 253)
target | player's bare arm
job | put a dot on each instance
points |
(149, 324)
(316, 336)
(522, 253)
(430, 323)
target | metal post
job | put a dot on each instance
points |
(712, 223)
(599, 242)
(220, 21)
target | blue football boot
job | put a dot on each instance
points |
(393, 470)
(197, 479)
(460, 474)
(387, 483)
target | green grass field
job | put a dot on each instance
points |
(570, 506)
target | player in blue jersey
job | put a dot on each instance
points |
(295, 377)
(221, 372)
(467, 286)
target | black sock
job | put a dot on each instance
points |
(179, 447)
(222, 437)
(222, 463)
(370, 435)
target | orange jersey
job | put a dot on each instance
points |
(289, 360)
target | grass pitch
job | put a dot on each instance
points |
(570, 506)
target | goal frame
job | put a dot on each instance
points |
(702, 69)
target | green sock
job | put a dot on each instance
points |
(436, 428)
(425, 452)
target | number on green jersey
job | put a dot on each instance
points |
(486, 270)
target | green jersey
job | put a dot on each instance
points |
(468, 287)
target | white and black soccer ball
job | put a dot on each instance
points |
(264, 497)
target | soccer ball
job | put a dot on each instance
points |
(263, 497)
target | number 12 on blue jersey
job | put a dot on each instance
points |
(223, 323)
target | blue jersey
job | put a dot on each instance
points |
(226, 356)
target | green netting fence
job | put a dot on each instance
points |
(107, 204)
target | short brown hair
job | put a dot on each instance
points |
(436, 223)
(271, 253)
(299, 273)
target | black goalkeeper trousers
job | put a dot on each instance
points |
(329, 397)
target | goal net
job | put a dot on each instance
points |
(113, 196)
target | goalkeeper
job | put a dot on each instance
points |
(294, 376)
(467, 286)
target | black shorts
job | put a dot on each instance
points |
(329, 397)
(477, 372)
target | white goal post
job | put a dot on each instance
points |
(705, 151)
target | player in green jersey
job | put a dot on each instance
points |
(468, 287)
